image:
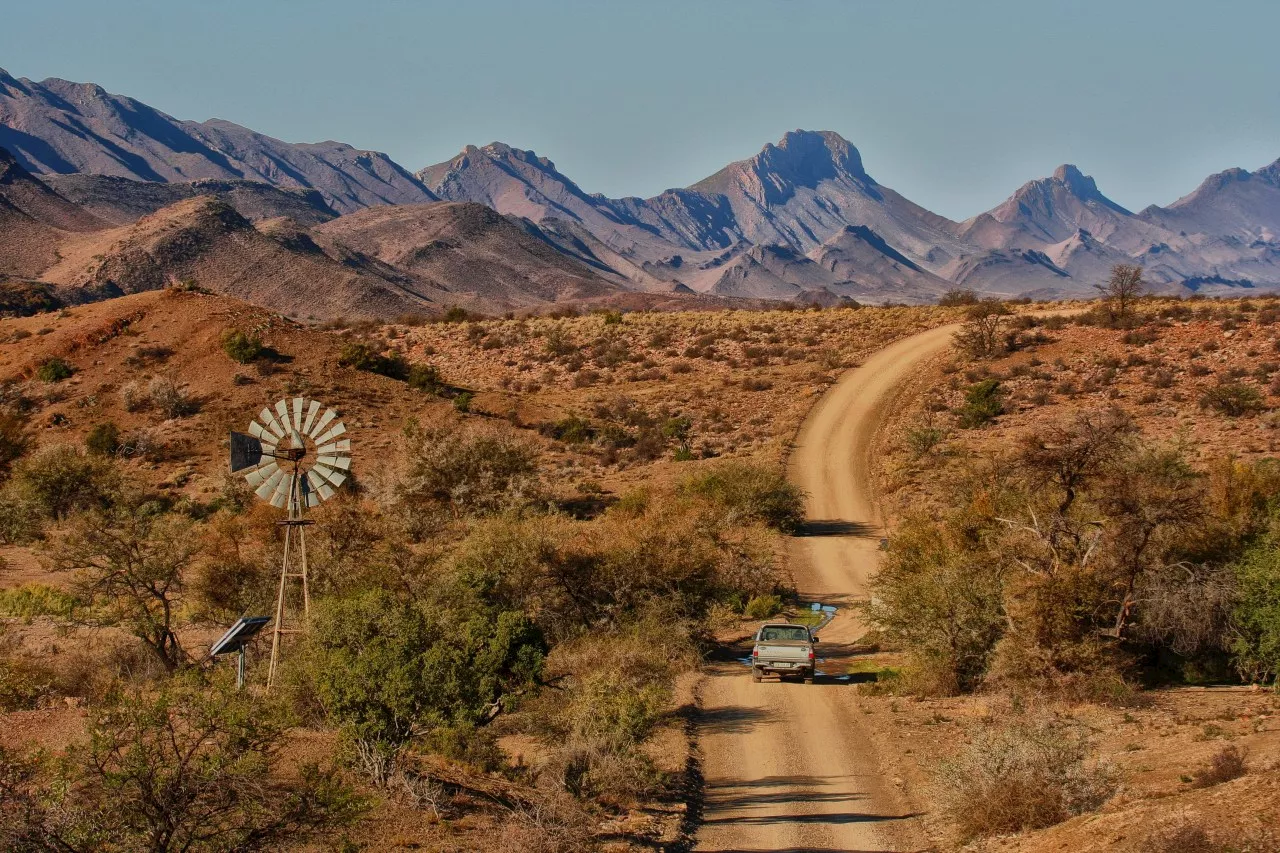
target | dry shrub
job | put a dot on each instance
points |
(170, 399)
(463, 468)
(574, 577)
(1180, 837)
(24, 681)
(1022, 774)
(1226, 764)
(134, 397)
(619, 688)
(1188, 834)
(552, 823)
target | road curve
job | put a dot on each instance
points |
(790, 767)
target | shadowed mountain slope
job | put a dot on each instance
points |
(119, 201)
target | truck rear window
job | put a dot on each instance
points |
(784, 633)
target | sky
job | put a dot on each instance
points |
(953, 103)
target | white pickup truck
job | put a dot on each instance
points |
(783, 648)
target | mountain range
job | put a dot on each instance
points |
(500, 228)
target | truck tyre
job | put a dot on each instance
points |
(808, 677)
(755, 674)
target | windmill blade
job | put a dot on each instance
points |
(256, 430)
(322, 472)
(269, 421)
(343, 462)
(335, 448)
(335, 478)
(282, 413)
(323, 422)
(259, 476)
(268, 487)
(280, 498)
(325, 491)
(297, 413)
(334, 431)
(311, 416)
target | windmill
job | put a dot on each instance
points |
(294, 457)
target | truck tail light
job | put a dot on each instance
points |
(810, 654)
(755, 653)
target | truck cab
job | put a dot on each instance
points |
(782, 649)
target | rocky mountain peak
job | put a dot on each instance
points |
(1079, 183)
(816, 148)
(503, 151)
(806, 157)
(802, 158)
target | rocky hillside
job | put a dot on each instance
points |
(468, 250)
(80, 238)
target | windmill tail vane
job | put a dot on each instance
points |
(294, 456)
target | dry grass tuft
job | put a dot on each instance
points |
(1226, 764)
(1020, 775)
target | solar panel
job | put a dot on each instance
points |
(244, 630)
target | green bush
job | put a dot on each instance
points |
(983, 403)
(1256, 618)
(23, 683)
(463, 401)
(751, 492)
(763, 606)
(942, 603)
(185, 769)
(21, 520)
(573, 430)
(103, 439)
(1233, 399)
(425, 377)
(61, 479)
(923, 440)
(241, 347)
(54, 370)
(361, 356)
(388, 670)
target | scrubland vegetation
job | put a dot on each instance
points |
(495, 641)
(1085, 508)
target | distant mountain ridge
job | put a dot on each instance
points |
(801, 219)
(59, 127)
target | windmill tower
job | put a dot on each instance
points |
(293, 457)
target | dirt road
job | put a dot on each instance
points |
(790, 767)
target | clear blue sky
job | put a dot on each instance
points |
(952, 102)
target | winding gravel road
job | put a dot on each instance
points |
(790, 767)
